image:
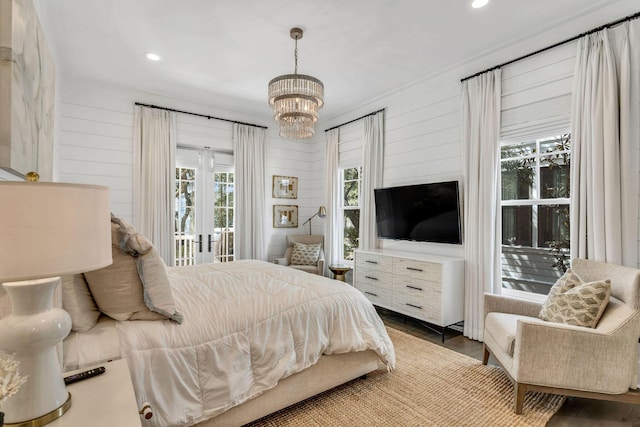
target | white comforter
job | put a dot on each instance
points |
(247, 325)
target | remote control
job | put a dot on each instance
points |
(84, 375)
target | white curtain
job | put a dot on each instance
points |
(604, 127)
(332, 245)
(372, 169)
(154, 152)
(480, 109)
(250, 157)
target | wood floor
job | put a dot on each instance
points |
(574, 412)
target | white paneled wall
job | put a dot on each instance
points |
(422, 137)
(95, 147)
(304, 160)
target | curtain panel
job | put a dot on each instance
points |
(154, 152)
(480, 110)
(372, 170)
(250, 156)
(332, 244)
(604, 170)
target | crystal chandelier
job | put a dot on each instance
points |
(296, 99)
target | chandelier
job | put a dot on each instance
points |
(296, 99)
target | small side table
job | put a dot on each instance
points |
(339, 271)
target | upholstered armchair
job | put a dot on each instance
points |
(596, 363)
(316, 267)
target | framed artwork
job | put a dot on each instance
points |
(285, 187)
(285, 216)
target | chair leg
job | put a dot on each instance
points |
(485, 357)
(519, 391)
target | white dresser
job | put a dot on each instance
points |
(423, 286)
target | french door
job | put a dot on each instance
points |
(204, 201)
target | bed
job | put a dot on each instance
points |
(255, 337)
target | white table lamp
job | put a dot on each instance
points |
(46, 230)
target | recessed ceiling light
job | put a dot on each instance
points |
(479, 3)
(154, 56)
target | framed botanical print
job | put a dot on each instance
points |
(285, 216)
(285, 187)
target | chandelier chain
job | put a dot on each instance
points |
(296, 57)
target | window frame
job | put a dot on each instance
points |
(342, 208)
(535, 200)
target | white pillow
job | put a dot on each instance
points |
(78, 302)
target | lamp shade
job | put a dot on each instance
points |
(52, 229)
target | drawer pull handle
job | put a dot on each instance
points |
(414, 269)
(414, 306)
(370, 262)
(415, 287)
(370, 293)
(369, 277)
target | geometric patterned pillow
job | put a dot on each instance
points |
(573, 302)
(304, 254)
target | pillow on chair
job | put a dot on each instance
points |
(305, 254)
(573, 302)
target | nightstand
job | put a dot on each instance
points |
(105, 400)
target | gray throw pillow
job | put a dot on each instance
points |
(573, 302)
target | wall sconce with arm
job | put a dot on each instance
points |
(322, 212)
(46, 230)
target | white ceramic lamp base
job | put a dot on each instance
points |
(31, 333)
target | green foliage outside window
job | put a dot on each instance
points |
(352, 178)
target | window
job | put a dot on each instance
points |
(535, 212)
(351, 179)
(223, 189)
(185, 216)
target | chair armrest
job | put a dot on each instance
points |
(505, 304)
(574, 357)
(287, 254)
(321, 262)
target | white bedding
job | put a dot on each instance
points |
(87, 349)
(247, 324)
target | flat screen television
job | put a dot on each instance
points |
(423, 212)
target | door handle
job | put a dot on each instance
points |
(199, 242)
(209, 242)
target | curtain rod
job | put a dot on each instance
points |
(355, 120)
(214, 151)
(199, 115)
(595, 30)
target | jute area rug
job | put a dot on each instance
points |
(431, 386)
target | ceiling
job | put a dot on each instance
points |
(223, 53)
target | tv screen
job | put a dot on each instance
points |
(424, 212)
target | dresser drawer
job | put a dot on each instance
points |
(374, 277)
(374, 261)
(378, 296)
(428, 310)
(410, 284)
(417, 269)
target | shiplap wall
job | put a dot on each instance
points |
(422, 135)
(422, 142)
(95, 147)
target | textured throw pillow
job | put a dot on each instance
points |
(135, 286)
(573, 302)
(78, 302)
(305, 254)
